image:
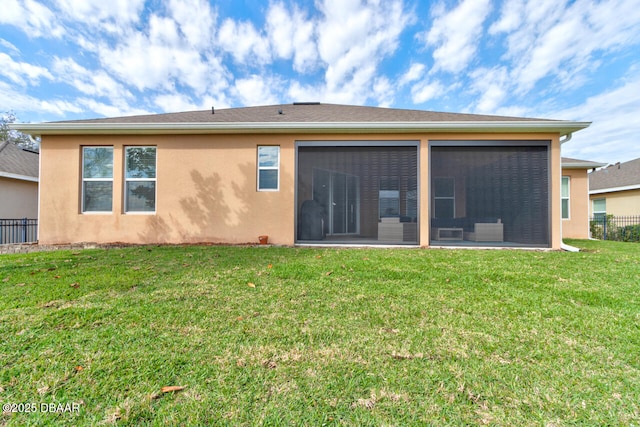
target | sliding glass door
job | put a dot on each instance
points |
(338, 196)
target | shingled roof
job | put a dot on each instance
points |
(308, 112)
(18, 163)
(569, 163)
(300, 118)
(618, 177)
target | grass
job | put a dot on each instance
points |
(281, 336)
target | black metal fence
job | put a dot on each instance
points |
(619, 228)
(18, 231)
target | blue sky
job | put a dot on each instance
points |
(572, 60)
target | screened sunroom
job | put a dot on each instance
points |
(357, 192)
(481, 193)
(490, 193)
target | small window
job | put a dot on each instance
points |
(389, 197)
(140, 179)
(599, 208)
(565, 197)
(444, 197)
(268, 168)
(97, 179)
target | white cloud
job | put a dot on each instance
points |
(174, 102)
(550, 38)
(383, 92)
(426, 91)
(9, 45)
(292, 36)
(455, 34)
(163, 59)
(612, 136)
(94, 12)
(15, 100)
(22, 73)
(492, 87)
(244, 42)
(31, 17)
(256, 90)
(108, 110)
(89, 82)
(510, 19)
(196, 21)
(299, 92)
(414, 73)
(355, 35)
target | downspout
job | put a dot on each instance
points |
(39, 174)
(563, 245)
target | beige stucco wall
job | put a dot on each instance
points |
(18, 199)
(577, 225)
(620, 203)
(206, 188)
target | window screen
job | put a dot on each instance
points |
(357, 194)
(97, 179)
(140, 179)
(493, 184)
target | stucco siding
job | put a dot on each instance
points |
(577, 225)
(207, 189)
(18, 199)
(620, 203)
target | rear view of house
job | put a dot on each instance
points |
(304, 173)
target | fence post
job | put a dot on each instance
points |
(24, 230)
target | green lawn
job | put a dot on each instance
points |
(281, 336)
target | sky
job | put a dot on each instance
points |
(555, 59)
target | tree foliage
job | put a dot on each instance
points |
(20, 139)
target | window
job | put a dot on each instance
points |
(565, 197)
(389, 197)
(268, 168)
(599, 208)
(444, 197)
(140, 179)
(97, 179)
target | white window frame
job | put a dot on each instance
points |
(567, 197)
(264, 168)
(593, 207)
(82, 199)
(127, 180)
(452, 197)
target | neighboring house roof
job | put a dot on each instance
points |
(303, 118)
(618, 177)
(17, 163)
(569, 163)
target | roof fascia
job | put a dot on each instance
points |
(17, 176)
(561, 127)
(615, 189)
(583, 165)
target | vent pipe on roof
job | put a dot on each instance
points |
(212, 110)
